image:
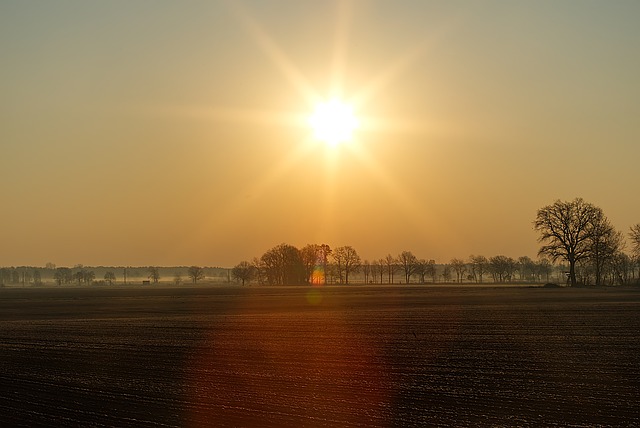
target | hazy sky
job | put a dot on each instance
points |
(163, 132)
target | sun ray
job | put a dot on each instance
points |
(389, 74)
(407, 202)
(291, 73)
(340, 49)
(271, 118)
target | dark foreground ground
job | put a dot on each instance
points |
(302, 357)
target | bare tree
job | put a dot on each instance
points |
(605, 243)
(446, 273)
(566, 229)
(421, 270)
(407, 262)
(392, 267)
(634, 235)
(460, 267)
(37, 277)
(366, 270)
(478, 266)
(347, 261)
(311, 259)
(177, 278)
(382, 264)
(431, 270)
(25, 275)
(502, 268)
(376, 271)
(109, 277)
(621, 269)
(543, 268)
(63, 275)
(325, 252)
(195, 273)
(154, 274)
(525, 268)
(243, 271)
(78, 276)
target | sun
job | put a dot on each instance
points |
(333, 122)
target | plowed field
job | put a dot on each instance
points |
(333, 356)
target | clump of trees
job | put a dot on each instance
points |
(285, 264)
(579, 233)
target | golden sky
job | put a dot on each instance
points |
(167, 133)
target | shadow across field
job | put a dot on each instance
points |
(332, 356)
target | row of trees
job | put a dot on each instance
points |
(574, 232)
(315, 264)
(82, 276)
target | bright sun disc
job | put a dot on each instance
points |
(333, 122)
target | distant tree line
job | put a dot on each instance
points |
(81, 275)
(319, 264)
(23, 275)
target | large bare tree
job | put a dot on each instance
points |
(566, 231)
(347, 261)
(408, 263)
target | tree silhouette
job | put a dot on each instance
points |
(347, 261)
(243, 271)
(502, 268)
(408, 263)
(309, 256)
(478, 266)
(460, 267)
(154, 274)
(283, 265)
(196, 273)
(392, 266)
(109, 277)
(566, 230)
(634, 235)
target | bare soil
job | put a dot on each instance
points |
(333, 356)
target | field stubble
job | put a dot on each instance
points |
(333, 356)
